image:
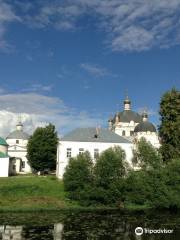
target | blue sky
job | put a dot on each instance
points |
(71, 62)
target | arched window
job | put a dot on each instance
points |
(123, 133)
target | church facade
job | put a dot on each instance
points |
(125, 129)
(93, 140)
(133, 126)
(17, 150)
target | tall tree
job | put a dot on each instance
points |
(146, 156)
(42, 148)
(78, 174)
(169, 129)
(110, 166)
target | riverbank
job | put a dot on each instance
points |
(31, 193)
(40, 193)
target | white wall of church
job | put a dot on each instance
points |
(22, 155)
(123, 127)
(20, 142)
(4, 167)
(62, 159)
(151, 137)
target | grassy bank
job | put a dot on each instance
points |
(33, 193)
(39, 193)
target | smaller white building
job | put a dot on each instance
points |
(4, 158)
(17, 150)
(89, 139)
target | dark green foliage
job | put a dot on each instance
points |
(110, 167)
(78, 174)
(169, 129)
(146, 156)
(101, 184)
(42, 148)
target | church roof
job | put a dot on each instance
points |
(18, 134)
(3, 142)
(92, 135)
(129, 115)
(145, 127)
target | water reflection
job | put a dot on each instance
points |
(41, 232)
(90, 226)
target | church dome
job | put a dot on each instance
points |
(3, 142)
(145, 127)
(128, 116)
(18, 134)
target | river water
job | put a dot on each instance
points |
(89, 225)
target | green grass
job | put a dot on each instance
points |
(33, 193)
(41, 193)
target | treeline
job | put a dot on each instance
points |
(111, 181)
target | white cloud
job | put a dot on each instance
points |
(38, 88)
(38, 110)
(94, 70)
(132, 25)
(6, 16)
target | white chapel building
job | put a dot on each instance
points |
(17, 150)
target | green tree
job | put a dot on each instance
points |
(109, 173)
(42, 148)
(110, 167)
(169, 129)
(146, 156)
(78, 174)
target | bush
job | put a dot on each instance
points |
(78, 174)
(110, 167)
(146, 156)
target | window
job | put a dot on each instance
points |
(68, 154)
(23, 164)
(17, 141)
(96, 153)
(131, 133)
(123, 133)
(81, 150)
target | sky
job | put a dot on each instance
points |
(71, 63)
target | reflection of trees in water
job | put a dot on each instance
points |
(90, 226)
(97, 226)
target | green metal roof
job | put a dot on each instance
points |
(3, 155)
(90, 135)
(3, 142)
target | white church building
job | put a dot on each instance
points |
(133, 125)
(13, 153)
(17, 150)
(126, 128)
(88, 139)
